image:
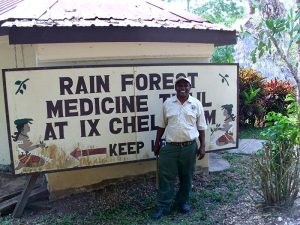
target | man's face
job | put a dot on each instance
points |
(182, 88)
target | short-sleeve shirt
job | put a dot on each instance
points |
(182, 121)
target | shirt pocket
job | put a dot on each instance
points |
(191, 117)
(172, 116)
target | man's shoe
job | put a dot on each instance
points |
(185, 208)
(158, 214)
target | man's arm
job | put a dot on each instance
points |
(201, 149)
(159, 134)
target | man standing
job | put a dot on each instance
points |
(182, 120)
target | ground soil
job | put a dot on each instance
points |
(244, 211)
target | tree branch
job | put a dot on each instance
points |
(282, 55)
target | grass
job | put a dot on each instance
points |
(211, 192)
(251, 133)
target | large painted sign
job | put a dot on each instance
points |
(65, 118)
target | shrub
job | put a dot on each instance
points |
(275, 168)
(251, 97)
(223, 54)
(275, 94)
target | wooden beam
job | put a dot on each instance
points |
(8, 205)
(43, 35)
(25, 195)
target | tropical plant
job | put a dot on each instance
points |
(251, 97)
(275, 169)
(275, 93)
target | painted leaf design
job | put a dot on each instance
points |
(24, 86)
(21, 91)
(18, 82)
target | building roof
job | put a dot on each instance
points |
(7, 5)
(136, 20)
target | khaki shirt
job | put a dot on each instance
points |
(182, 122)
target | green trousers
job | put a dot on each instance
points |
(175, 161)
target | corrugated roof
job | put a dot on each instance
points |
(7, 5)
(69, 21)
(101, 13)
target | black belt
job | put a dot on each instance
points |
(181, 143)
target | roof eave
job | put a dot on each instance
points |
(43, 35)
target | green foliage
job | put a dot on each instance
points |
(251, 97)
(251, 133)
(275, 169)
(7, 220)
(224, 12)
(223, 54)
(284, 128)
(276, 32)
(119, 215)
(277, 37)
(221, 12)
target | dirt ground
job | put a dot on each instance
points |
(245, 212)
(242, 212)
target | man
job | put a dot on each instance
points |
(182, 120)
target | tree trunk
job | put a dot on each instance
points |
(252, 9)
(188, 5)
(298, 85)
(298, 74)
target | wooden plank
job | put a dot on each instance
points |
(25, 195)
(15, 193)
(8, 206)
(9, 196)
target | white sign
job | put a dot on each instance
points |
(65, 118)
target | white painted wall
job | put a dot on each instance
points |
(11, 56)
(130, 52)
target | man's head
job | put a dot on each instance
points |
(182, 87)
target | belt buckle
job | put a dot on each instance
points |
(185, 143)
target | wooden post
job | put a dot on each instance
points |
(25, 195)
(157, 179)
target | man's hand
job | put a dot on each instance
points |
(201, 152)
(159, 134)
(156, 149)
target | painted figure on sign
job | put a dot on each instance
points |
(27, 151)
(227, 137)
